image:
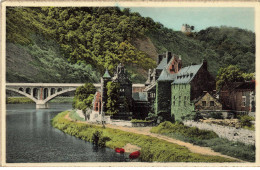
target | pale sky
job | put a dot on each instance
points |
(200, 17)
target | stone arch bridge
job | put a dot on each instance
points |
(41, 93)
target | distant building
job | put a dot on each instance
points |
(187, 28)
(239, 96)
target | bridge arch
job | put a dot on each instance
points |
(35, 93)
(28, 90)
(22, 93)
(58, 93)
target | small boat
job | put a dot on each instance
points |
(134, 155)
(120, 150)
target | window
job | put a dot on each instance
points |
(179, 100)
(243, 101)
(212, 103)
(184, 103)
(173, 103)
(203, 103)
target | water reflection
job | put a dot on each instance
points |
(31, 138)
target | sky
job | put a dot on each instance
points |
(200, 17)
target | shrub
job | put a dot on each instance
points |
(245, 120)
(216, 115)
(191, 132)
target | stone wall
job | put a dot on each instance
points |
(230, 133)
(181, 105)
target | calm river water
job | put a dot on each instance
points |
(31, 138)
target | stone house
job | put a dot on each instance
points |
(207, 102)
(189, 84)
(239, 97)
(172, 63)
(176, 93)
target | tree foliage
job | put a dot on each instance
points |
(99, 36)
(231, 74)
(113, 98)
(84, 96)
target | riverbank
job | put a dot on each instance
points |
(205, 139)
(21, 100)
(152, 148)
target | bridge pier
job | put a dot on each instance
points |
(42, 106)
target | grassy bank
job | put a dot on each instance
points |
(207, 139)
(17, 100)
(20, 100)
(74, 116)
(153, 149)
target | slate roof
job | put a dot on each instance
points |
(186, 74)
(162, 64)
(106, 75)
(140, 96)
(165, 75)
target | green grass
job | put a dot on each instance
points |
(74, 116)
(140, 121)
(62, 100)
(152, 149)
(206, 139)
(17, 100)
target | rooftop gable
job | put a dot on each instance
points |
(186, 74)
(165, 75)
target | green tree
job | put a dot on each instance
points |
(113, 98)
(228, 75)
(84, 96)
(248, 76)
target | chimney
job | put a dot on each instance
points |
(159, 59)
(168, 56)
(205, 64)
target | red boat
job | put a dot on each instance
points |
(120, 150)
(134, 155)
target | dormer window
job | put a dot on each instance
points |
(191, 74)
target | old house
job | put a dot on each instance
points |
(175, 93)
(170, 62)
(189, 84)
(207, 102)
(239, 97)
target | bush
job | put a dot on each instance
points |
(216, 115)
(191, 132)
(99, 139)
(245, 120)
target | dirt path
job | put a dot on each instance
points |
(146, 131)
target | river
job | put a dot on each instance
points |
(30, 138)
